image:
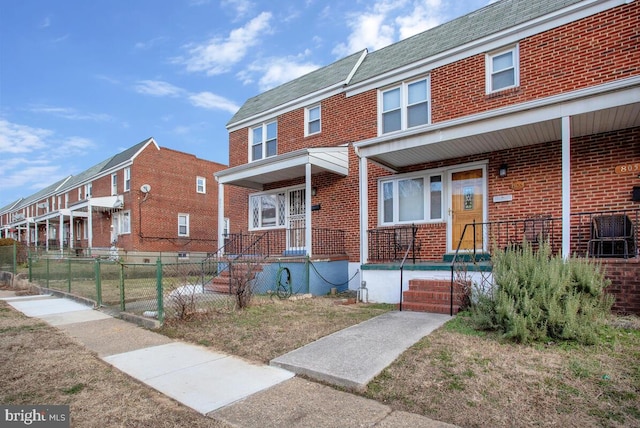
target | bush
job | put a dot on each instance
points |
(539, 297)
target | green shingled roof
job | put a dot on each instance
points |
(309, 83)
(483, 22)
(475, 25)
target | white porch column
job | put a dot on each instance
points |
(71, 230)
(61, 233)
(46, 233)
(566, 187)
(90, 225)
(307, 211)
(364, 210)
(220, 215)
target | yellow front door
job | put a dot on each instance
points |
(467, 202)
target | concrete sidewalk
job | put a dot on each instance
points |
(233, 390)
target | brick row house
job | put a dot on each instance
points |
(144, 199)
(517, 121)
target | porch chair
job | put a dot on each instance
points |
(536, 230)
(612, 236)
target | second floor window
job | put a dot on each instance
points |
(114, 184)
(502, 70)
(312, 120)
(127, 179)
(201, 185)
(264, 141)
(405, 106)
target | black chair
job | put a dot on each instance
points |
(536, 230)
(612, 236)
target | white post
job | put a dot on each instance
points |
(90, 225)
(307, 210)
(566, 187)
(364, 211)
(220, 216)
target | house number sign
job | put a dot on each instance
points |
(630, 167)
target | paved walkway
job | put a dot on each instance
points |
(241, 393)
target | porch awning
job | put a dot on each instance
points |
(593, 110)
(113, 202)
(287, 166)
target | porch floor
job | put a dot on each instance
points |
(484, 266)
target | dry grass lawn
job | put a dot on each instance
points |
(454, 375)
(41, 365)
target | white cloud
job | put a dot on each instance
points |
(276, 71)
(212, 101)
(157, 88)
(388, 21)
(241, 7)
(15, 138)
(70, 113)
(367, 31)
(218, 55)
(424, 15)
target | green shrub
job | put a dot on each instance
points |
(539, 297)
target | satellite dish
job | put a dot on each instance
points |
(145, 188)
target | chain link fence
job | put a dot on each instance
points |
(177, 290)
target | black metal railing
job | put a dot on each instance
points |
(391, 244)
(282, 242)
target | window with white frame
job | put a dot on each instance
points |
(125, 222)
(87, 190)
(267, 210)
(264, 141)
(405, 106)
(201, 185)
(127, 179)
(114, 184)
(312, 120)
(183, 224)
(80, 193)
(503, 69)
(121, 222)
(410, 199)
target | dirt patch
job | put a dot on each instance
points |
(41, 365)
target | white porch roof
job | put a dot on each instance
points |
(597, 109)
(287, 166)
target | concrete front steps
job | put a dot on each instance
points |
(432, 295)
(227, 281)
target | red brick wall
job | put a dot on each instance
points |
(625, 284)
(172, 177)
(591, 51)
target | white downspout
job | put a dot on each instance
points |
(566, 187)
(307, 211)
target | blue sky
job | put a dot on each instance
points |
(83, 80)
